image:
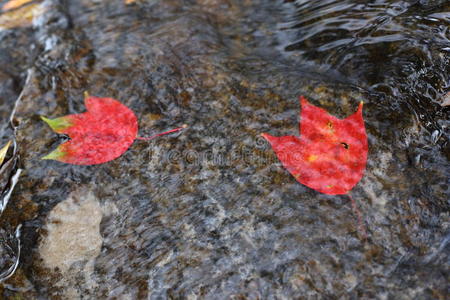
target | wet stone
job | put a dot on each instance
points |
(210, 213)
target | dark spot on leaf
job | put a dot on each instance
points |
(330, 125)
(346, 146)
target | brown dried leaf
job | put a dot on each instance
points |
(21, 17)
(3, 152)
(446, 100)
(14, 4)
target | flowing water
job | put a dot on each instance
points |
(209, 212)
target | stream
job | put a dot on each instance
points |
(210, 212)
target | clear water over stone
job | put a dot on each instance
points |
(210, 213)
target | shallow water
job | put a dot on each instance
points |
(210, 212)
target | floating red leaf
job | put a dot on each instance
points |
(101, 134)
(330, 155)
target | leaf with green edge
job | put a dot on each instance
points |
(101, 134)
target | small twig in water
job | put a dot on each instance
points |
(162, 133)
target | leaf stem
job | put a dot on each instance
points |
(162, 133)
(361, 227)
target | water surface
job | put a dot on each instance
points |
(210, 212)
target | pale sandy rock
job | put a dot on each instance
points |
(73, 239)
(73, 231)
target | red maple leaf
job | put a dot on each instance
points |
(101, 134)
(330, 155)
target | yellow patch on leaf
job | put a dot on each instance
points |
(312, 158)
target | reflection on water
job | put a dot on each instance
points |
(399, 49)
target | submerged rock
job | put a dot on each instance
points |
(72, 232)
(72, 243)
(210, 213)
